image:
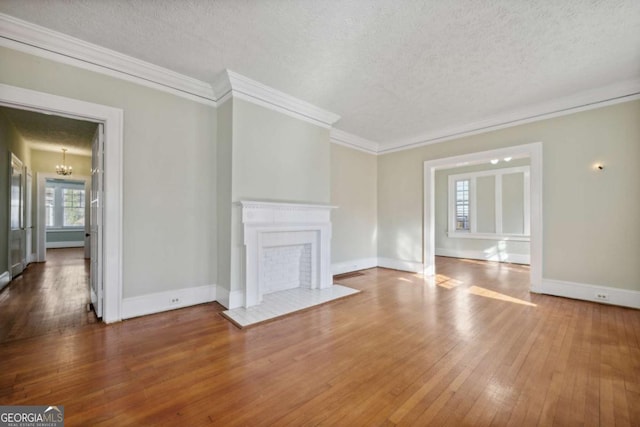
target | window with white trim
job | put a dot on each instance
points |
(462, 189)
(491, 204)
(64, 204)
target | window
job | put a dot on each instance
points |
(462, 205)
(64, 204)
(489, 204)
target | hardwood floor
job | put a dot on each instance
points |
(470, 347)
(47, 297)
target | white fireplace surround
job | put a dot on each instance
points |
(296, 228)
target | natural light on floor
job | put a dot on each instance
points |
(476, 290)
(447, 282)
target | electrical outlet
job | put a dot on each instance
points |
(602, 297)
(175, 300)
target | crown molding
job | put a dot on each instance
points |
(231, 84)
(582, 101)
(40, 41)
(350, 140)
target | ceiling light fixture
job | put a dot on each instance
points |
(507, 159)
(63, 169)
(494, 161)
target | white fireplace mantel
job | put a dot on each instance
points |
(268, 225)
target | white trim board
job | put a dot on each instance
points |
(582, 291)
(230, 299)
(590, 99)
(57, 245)
(483, 256)
(112, 118)
(231, 84)
(167, 300)
(353, 265)
(5, 278)
(40, 41)
(402, 265)
(350, 140)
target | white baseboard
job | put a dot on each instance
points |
(56, 245)
(398, 264)
(167, 300)
(615, 296)
(354, 265)
(5, 278)
(481, 255)
(222, 296)
(230, 300)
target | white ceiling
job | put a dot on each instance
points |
(52, 133)
(393, 70)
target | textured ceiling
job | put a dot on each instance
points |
(52, 133)
(393, 70)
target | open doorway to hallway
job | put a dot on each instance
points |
(56, 152)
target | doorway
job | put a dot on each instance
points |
(534, 211)
(112, 118)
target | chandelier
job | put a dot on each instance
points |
(63, 169)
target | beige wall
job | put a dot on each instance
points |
(353, 190)
(486, 212)
(278, 157)
(169, 173)
(224, 147)
(591, 227)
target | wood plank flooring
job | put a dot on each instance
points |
(470, 347)
(47, 297)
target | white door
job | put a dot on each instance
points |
(28, 220)
(16, 224)
(95, 238)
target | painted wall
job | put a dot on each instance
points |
(10, 142)
(65, 236)
(353, 190)
(169, 153)
(512, 197)
(591, 227)
(278, 157)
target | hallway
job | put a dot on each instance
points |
(48, 297)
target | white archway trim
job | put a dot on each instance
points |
(112, 118)
(534, 152)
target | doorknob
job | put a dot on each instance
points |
(87, 235)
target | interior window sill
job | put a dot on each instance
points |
(490, 236)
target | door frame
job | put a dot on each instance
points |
(534, 152)
(13, 158)
(41, 230)
(112, 118)
(28, 216)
